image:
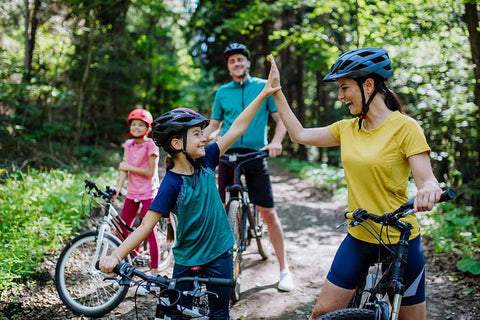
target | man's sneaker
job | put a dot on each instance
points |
(286, 281)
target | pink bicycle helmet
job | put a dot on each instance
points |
(140, 114)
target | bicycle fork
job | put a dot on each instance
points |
(244, 221)
(101, 249)
(399, 265)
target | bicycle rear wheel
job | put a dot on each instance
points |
(259, 227)
(80, 285)
(235, 218)
(349, 314)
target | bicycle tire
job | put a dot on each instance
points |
(264, 245)
(81, 287)
(164, 247)
(235, 218)
(349, 314)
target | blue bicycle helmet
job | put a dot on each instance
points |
(359, 63)
(234, 48)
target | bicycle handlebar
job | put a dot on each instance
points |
(234, 157)
(127, 271)
(390, 218)
(107, 194)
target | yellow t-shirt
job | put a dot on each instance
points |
(377, 169)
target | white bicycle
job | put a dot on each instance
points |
(79, 284)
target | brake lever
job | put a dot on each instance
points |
(341, 225)
(209, 292)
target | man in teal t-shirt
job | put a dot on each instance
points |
(230, 100)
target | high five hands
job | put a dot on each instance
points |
(273, 81)
(274, 74)
(274, 148)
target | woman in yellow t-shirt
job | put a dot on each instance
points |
(379, 149)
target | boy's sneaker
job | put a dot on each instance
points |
(286, 281)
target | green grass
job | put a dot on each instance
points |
(40, 210)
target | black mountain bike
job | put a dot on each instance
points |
(244, 217)
(368, 300)
(169, 298)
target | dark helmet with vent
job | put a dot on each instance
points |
(174, 122)
(234, 48)
(359, 63)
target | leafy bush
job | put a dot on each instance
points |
(40, 209)
(455, 229)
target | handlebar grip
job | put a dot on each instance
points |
(116, 270)
(89, 183)
(448, 195)
(223, 282)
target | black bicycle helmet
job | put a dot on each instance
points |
(234, 48)
(174, 122)
(359, 63)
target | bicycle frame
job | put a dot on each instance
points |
(392, 277)
(242, 191)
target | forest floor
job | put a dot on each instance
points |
(309, 218)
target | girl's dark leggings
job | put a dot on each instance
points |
(221, 267)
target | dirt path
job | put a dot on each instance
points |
(311, 239)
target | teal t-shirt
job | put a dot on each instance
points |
(231, 99)
(203, 230)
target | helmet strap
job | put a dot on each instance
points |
(365, 105)
(193, 162)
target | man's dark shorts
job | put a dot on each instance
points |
(257, 179)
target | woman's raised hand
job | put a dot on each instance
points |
(273, 81)
(274, 74)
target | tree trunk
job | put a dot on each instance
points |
(471, 16)
(82, 88)
(31, 24)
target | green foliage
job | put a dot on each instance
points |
(40, 210)
(326, 177)
(469, 265)
(455, 229)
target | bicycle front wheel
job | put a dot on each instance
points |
(80, 285)
(235, 218)
(349, 314)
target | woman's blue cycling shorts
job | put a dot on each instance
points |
(354, 258)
